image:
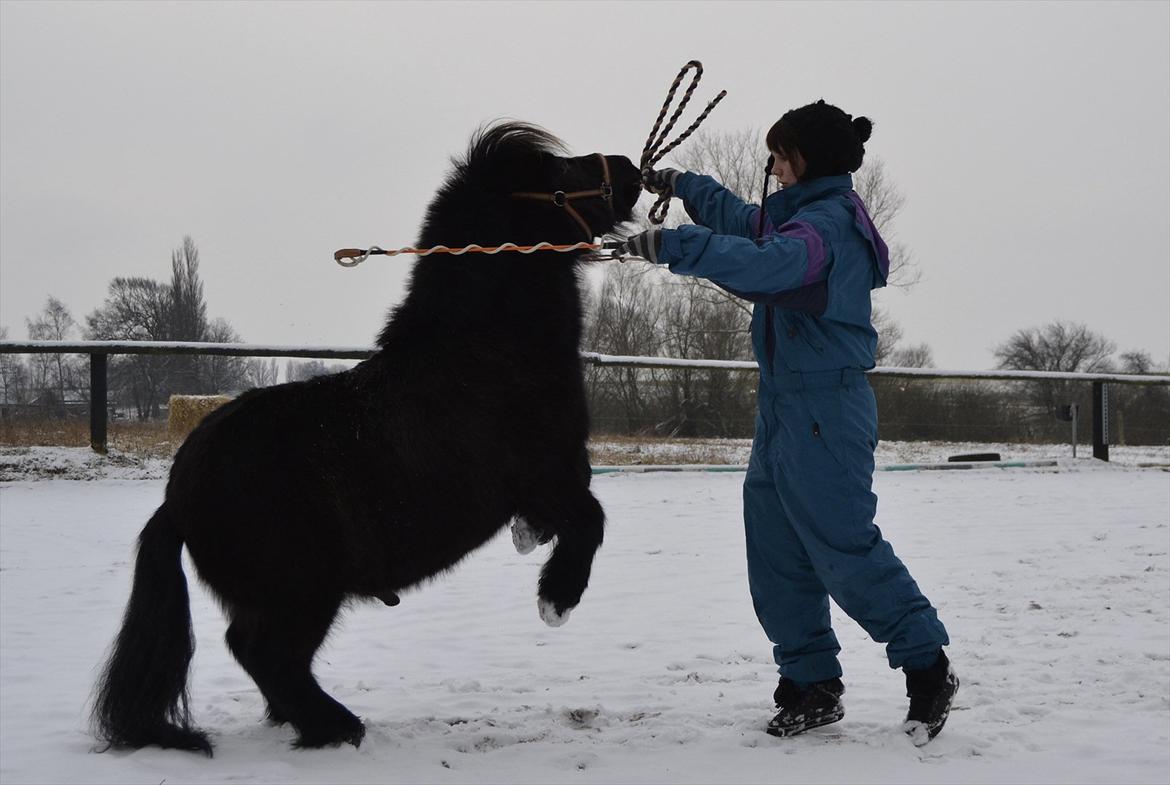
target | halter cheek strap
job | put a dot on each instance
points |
(564, 200)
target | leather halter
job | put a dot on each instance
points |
(563, 199)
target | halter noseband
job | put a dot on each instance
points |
(562, 199)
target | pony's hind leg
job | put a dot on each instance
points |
(278, 649)
(240, 640)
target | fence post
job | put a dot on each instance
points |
(1100, 421)
(97, 402)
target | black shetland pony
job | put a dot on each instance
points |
(295, 499)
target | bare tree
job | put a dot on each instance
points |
(623, 320)
(1057, 346)
(136, 309)
(14, 376)
(187, 318)
(218, 373)
(735, 158)
(188, 312)
(697, 325)
(263, 373)
(53, 374)
(1136, 362)
(140, 309)
(916, 356)
(889, 335)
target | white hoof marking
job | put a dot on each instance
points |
(524, 537)
(917, 731)
(548, 613)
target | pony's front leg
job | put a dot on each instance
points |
(526, 537)
(578, 523)
(527, 534)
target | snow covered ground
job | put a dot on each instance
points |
(1054, 583)
(77, 463)
(737, 452)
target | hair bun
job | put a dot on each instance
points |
(864, 127)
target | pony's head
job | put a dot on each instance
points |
(515, 184)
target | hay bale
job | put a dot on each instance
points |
(185, 411)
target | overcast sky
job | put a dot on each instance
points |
(1031, 141)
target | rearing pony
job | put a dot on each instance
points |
(296, 498)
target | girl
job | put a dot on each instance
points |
(808, 259)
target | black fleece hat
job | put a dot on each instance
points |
(830, 141)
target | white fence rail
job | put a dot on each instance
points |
(99, 351)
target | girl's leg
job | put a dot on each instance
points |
(791, 602)
(824, 477)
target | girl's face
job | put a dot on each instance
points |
(787, 170)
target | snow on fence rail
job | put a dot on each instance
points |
(99, 351)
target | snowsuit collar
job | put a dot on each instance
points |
(783, 204)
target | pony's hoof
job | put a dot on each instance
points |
(334, 737)
(548, 613)
(524, 537)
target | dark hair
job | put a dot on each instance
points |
(781, 140)
(830, 141)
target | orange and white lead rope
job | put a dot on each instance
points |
(352, 257)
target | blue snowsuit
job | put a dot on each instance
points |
(808, 503)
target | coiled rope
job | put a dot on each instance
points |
(654, 152)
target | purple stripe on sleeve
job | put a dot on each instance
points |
(754, 224)
(870, 232)
(802, 230)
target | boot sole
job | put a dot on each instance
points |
(825, 719)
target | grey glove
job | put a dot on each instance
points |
(659, 180)
(644, 244)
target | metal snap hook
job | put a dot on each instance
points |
(347, 257)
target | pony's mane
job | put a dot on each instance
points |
(507, 140)
(470, 206)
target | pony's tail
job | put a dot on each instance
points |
(142, 693)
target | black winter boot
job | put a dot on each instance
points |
(815, 705)
(931, 692)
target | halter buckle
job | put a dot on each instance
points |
(559, 198)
